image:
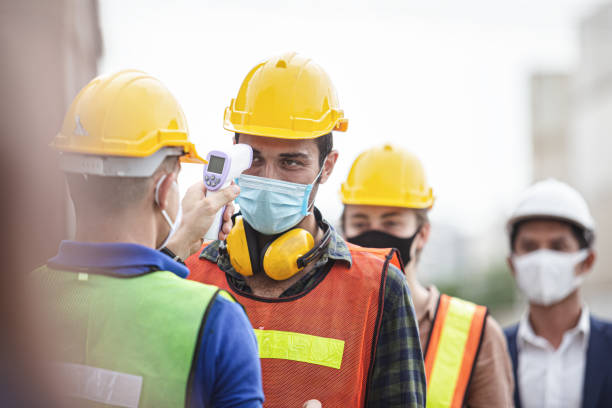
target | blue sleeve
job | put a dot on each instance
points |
(228, 371)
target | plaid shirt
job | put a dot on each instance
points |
(398, 379)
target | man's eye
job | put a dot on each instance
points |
(529, 247)
(256, 161)
(359, 225)
(559, 246)
(291, 163)
(390, 224)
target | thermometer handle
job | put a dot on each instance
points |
(213, 232)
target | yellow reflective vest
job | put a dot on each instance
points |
(452, 350)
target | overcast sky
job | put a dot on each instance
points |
(445, 79)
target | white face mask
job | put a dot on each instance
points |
(547, 277)
(179, 215)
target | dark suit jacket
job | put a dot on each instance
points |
(597, 390)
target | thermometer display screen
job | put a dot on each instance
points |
(215, 164)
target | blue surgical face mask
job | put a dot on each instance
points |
(273, 206)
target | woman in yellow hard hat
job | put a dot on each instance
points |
(386, 203)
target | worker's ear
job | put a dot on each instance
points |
(328, 166)
(423, 236)
(511, 265)
(163, 187)
(587, 265)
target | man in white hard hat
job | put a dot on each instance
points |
(560, 353)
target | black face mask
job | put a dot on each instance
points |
(379, 239)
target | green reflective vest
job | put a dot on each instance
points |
(126, 341)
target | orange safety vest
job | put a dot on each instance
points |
(385, 253)
(452, 350)
(320, 344)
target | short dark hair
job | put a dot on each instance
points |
(325, 144)
(112, 194)
(585, 238)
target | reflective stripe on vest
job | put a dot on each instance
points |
(300, 347)
(452, 350)
(98, 385)
(122, 343)
(319, 344)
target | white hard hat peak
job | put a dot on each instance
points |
(552, 198)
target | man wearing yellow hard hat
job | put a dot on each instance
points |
(133, 332)
(334, 322)
(387, 200)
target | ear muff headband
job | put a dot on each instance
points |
(315, 252)
(252, 245)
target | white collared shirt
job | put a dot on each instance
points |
(549, 378)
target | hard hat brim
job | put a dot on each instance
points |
(340, 124)
(124, 166)
(191, 155)
(380, 202)
(545, 217)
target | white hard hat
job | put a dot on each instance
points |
(553, 199)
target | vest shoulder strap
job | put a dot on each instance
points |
(390, 254)
(452, 350)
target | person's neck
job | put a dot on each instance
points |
(126, 227)
(418, 291)
(551, 322)
(264, 286)
(309, 223)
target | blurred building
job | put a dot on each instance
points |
(550, 124)
(446, 256)
(48, 50)
(571, 128)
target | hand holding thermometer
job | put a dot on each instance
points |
(221, 169)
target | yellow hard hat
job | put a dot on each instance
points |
(387, 176)
(287, 97)
(126, 115)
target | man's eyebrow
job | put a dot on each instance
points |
(527, 240)
(358, 215)
(390, 214)
(295, 155)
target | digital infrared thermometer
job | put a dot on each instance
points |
(221, 169)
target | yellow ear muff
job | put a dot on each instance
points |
(238, 249)
(280, 258)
